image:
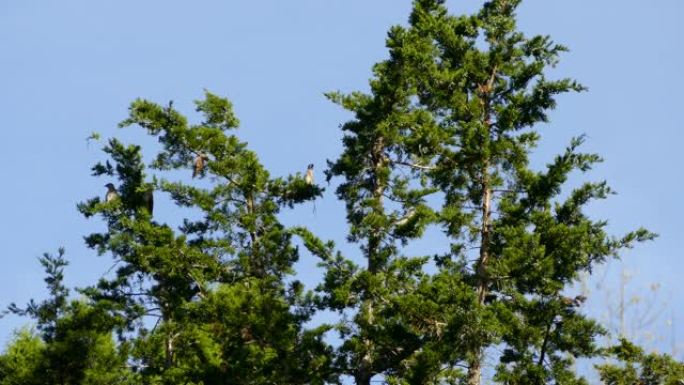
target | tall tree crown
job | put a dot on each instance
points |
(441, 142)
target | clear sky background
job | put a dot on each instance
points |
(71, 67)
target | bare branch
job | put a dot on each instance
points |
(416, 166)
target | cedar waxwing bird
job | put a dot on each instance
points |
(309, 177)
(574, 302)
(200, 160)
(148, 200)
(111, 193)
(567, 301)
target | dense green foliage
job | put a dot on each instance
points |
(635, 367)
(441, 143)
(452, 112)
(74, 344)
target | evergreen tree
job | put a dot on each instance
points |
(441, 141)
(385, 210)
(457, 103)
(210, 302)
(19, 362)
(75, 345)
(634, 367)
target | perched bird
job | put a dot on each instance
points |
(567, 301)
(574, 302)
(111, 193)
(309, 177)
(200, 160)
(148, 200)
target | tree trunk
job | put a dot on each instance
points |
(362, 378)
(475, 364)
(168, 348)
(365, 372)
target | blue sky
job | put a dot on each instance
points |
(69, 68)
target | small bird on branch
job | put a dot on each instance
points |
(574, 302)
(200, 161)
(309, 177)
(148, 200)
(111, 193)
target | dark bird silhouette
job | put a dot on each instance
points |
(111, 193)
(200, 161)
(148, 200)
(580, 299)
(309, 177)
